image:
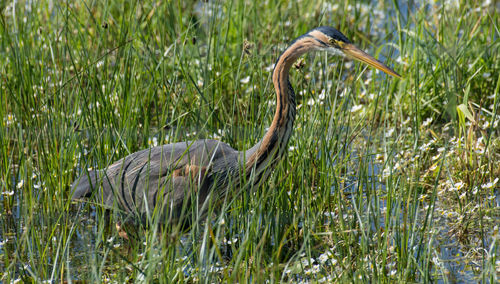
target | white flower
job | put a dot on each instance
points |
(489, 185)
(356, 108)
(427, 122)
(245, 80)
(10, 119)
(389, 132)
(324, 257)
(459, 185)
(307, 261)
(322, 95)
(474, 191)
(315, 269)
(153, 142)
(269, 68)
(462, 196)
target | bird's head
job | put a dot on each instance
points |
(333, 41)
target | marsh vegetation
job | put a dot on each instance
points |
(385, 180)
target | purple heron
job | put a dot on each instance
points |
(171, 178)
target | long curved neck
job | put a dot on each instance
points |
(262, 157)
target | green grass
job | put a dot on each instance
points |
(385, 179)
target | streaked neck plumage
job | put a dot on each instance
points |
(263, 157)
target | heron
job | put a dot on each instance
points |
(170, 180)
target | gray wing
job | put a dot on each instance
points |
(173, 176)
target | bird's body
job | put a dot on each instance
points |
(166, 180)
(165, 175)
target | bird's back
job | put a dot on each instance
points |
(163, 180)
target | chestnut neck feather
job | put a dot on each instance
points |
(263, 156)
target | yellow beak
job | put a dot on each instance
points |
(356, 53)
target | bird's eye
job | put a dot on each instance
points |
(334, 42)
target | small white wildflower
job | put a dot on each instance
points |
(322, 94)
(153, 142)
(459, 185)
(307, 261)
(486, 124)
(10, 119)
(389, 132)
(474, 191)
(20, 184)
(386, 173)
(462, 196)
(324, 257)
(356, 108)
(433, 167)
(344, 92)
(245, 80)
(424, 147)
(489, 185)
(422, 197)
(326, 279)
(427, 122)
(269, 68)
(331, 215)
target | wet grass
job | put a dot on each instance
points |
(385, 179)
